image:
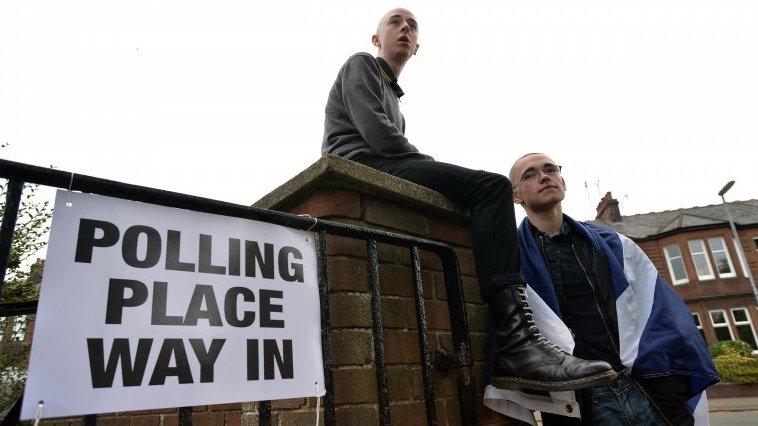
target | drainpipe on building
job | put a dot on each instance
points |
(737, 243)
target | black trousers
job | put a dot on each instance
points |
(488, 196)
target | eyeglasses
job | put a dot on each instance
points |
(532, 173)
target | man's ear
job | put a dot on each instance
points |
(517, 197)
(375, 40)
(416, 50)
(564, 184)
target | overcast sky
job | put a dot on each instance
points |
(656, 101)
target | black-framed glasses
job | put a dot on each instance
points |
(533, 173)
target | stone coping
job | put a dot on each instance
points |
(332, 171)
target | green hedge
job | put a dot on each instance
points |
(734, 362)
(730, 346)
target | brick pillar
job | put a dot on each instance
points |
(343, 191)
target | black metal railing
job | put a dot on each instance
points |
(19, 174)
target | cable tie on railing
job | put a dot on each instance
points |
(318, 404)
(70, 185)
(38, 414)
(315, 221)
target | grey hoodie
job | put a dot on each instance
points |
(362, 112)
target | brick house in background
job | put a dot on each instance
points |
(694, 251)
(16, 331)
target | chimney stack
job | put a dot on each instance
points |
(608, 209)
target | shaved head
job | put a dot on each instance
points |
(396, 11)
(512, 175)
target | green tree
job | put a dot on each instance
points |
(21, 283)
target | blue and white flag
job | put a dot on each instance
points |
(656, 333)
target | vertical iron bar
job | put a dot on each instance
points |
(90, 420)
(264, 413)
(14, 414)
(426, 356)
(185, 416)
(12, 202)
(376, 311)
(461, 340)
(330, 418)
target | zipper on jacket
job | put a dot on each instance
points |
(561, 298)
(594, 297)
(610, 337)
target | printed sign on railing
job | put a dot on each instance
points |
(146, 307)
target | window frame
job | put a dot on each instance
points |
(748, 322)
(727, 325)
(19, 324)
(728, 257)
(698, 324)
(704, 252)
(668, 257)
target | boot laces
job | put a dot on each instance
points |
(532, 327)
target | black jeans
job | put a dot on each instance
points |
(488, 196)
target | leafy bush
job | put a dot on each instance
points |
(734, 362)
(735, 368)
(730, 346)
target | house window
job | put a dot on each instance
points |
(698, 324)
(721, 257)
(755, 243)
(18, 331)
(676, 264)
(721, 325)
(700, 259)
(744, 326)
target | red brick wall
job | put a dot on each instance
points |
(354, 375)
(696, 287)
(702, 309)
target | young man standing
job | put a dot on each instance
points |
(603, 299)
(364, 124)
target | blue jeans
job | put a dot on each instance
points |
(623, 402)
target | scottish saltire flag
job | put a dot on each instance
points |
(656, 332)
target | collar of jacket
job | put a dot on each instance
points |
(565, 229)
(389, 76)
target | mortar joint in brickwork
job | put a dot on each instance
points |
(353, 367)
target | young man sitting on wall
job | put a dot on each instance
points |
(364, 124)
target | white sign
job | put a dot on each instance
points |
(146, 307)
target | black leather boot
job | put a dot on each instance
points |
(524, 359)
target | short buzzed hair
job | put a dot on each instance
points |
(512, 174)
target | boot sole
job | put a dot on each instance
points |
(586, 382)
